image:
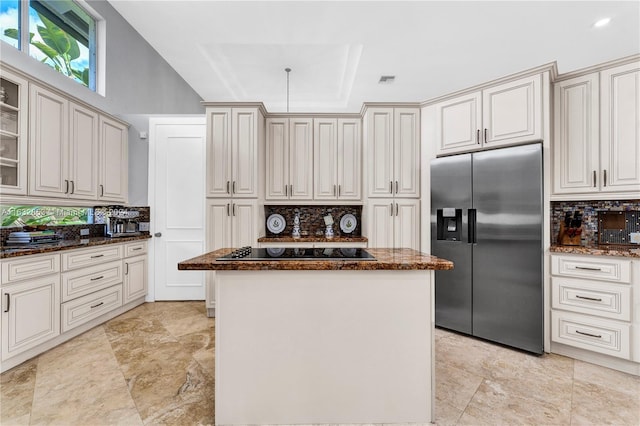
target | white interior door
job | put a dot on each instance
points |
(177, 148)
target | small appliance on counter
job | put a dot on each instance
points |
(571, 229)
(122, 221)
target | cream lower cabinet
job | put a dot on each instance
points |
(504, 114)
(30, 314)
(230, 223)
(593, 300)
(393, 223)
(50, 298)
(30, 303)
(597, 145)
(135, 261)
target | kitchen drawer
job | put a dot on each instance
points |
(592, 297)
(135, 249)
(91, 256)
(592, 268)
(28, 267)
(86, 308)
(83, 281)
(595, 334)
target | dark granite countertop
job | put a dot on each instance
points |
(311, 239)
(6, 251)
(386, 259)
(599, 250)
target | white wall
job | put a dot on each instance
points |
(139, 83)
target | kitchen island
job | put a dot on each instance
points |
(324, 340)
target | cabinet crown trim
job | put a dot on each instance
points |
(551, 67)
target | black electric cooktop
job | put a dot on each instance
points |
(249, 253)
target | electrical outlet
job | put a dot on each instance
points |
(635, 237)
(84, 232)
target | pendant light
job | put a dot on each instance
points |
(287, 70)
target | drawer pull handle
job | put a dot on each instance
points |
(136, 249)
(585, 268)
(95, 306)
(597, 336)
(595, 299)
(97, 256)
(97, 278)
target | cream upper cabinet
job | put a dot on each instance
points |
(83, 152)
(232, 152)
(504, 114)
(289, 159)
(337, 159)
(576, 139)
(48, 143)
(620, 128)
(13, 134)
(458, 123)
(113, 164)
(393, 223)
(393, 152)
(597, 145)
(75, 152)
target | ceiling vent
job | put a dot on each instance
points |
(386, 79)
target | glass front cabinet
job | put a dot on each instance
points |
(13, 133)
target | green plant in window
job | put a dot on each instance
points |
(58, 47)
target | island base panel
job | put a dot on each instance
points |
(324, 347)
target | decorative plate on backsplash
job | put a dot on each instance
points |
(276, 223)
(348, 223)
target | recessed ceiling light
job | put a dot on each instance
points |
(386, 79)
(602, 22)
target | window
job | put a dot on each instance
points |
(13, 216)
(61, 34)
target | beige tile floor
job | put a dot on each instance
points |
(154, 365)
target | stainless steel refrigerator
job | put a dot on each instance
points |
(486, 216)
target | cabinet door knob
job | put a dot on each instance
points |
(158, 234)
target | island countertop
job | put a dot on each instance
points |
(398, 259)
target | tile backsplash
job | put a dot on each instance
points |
(311, 219)
(590, 211)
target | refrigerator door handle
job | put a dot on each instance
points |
(471, 229)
